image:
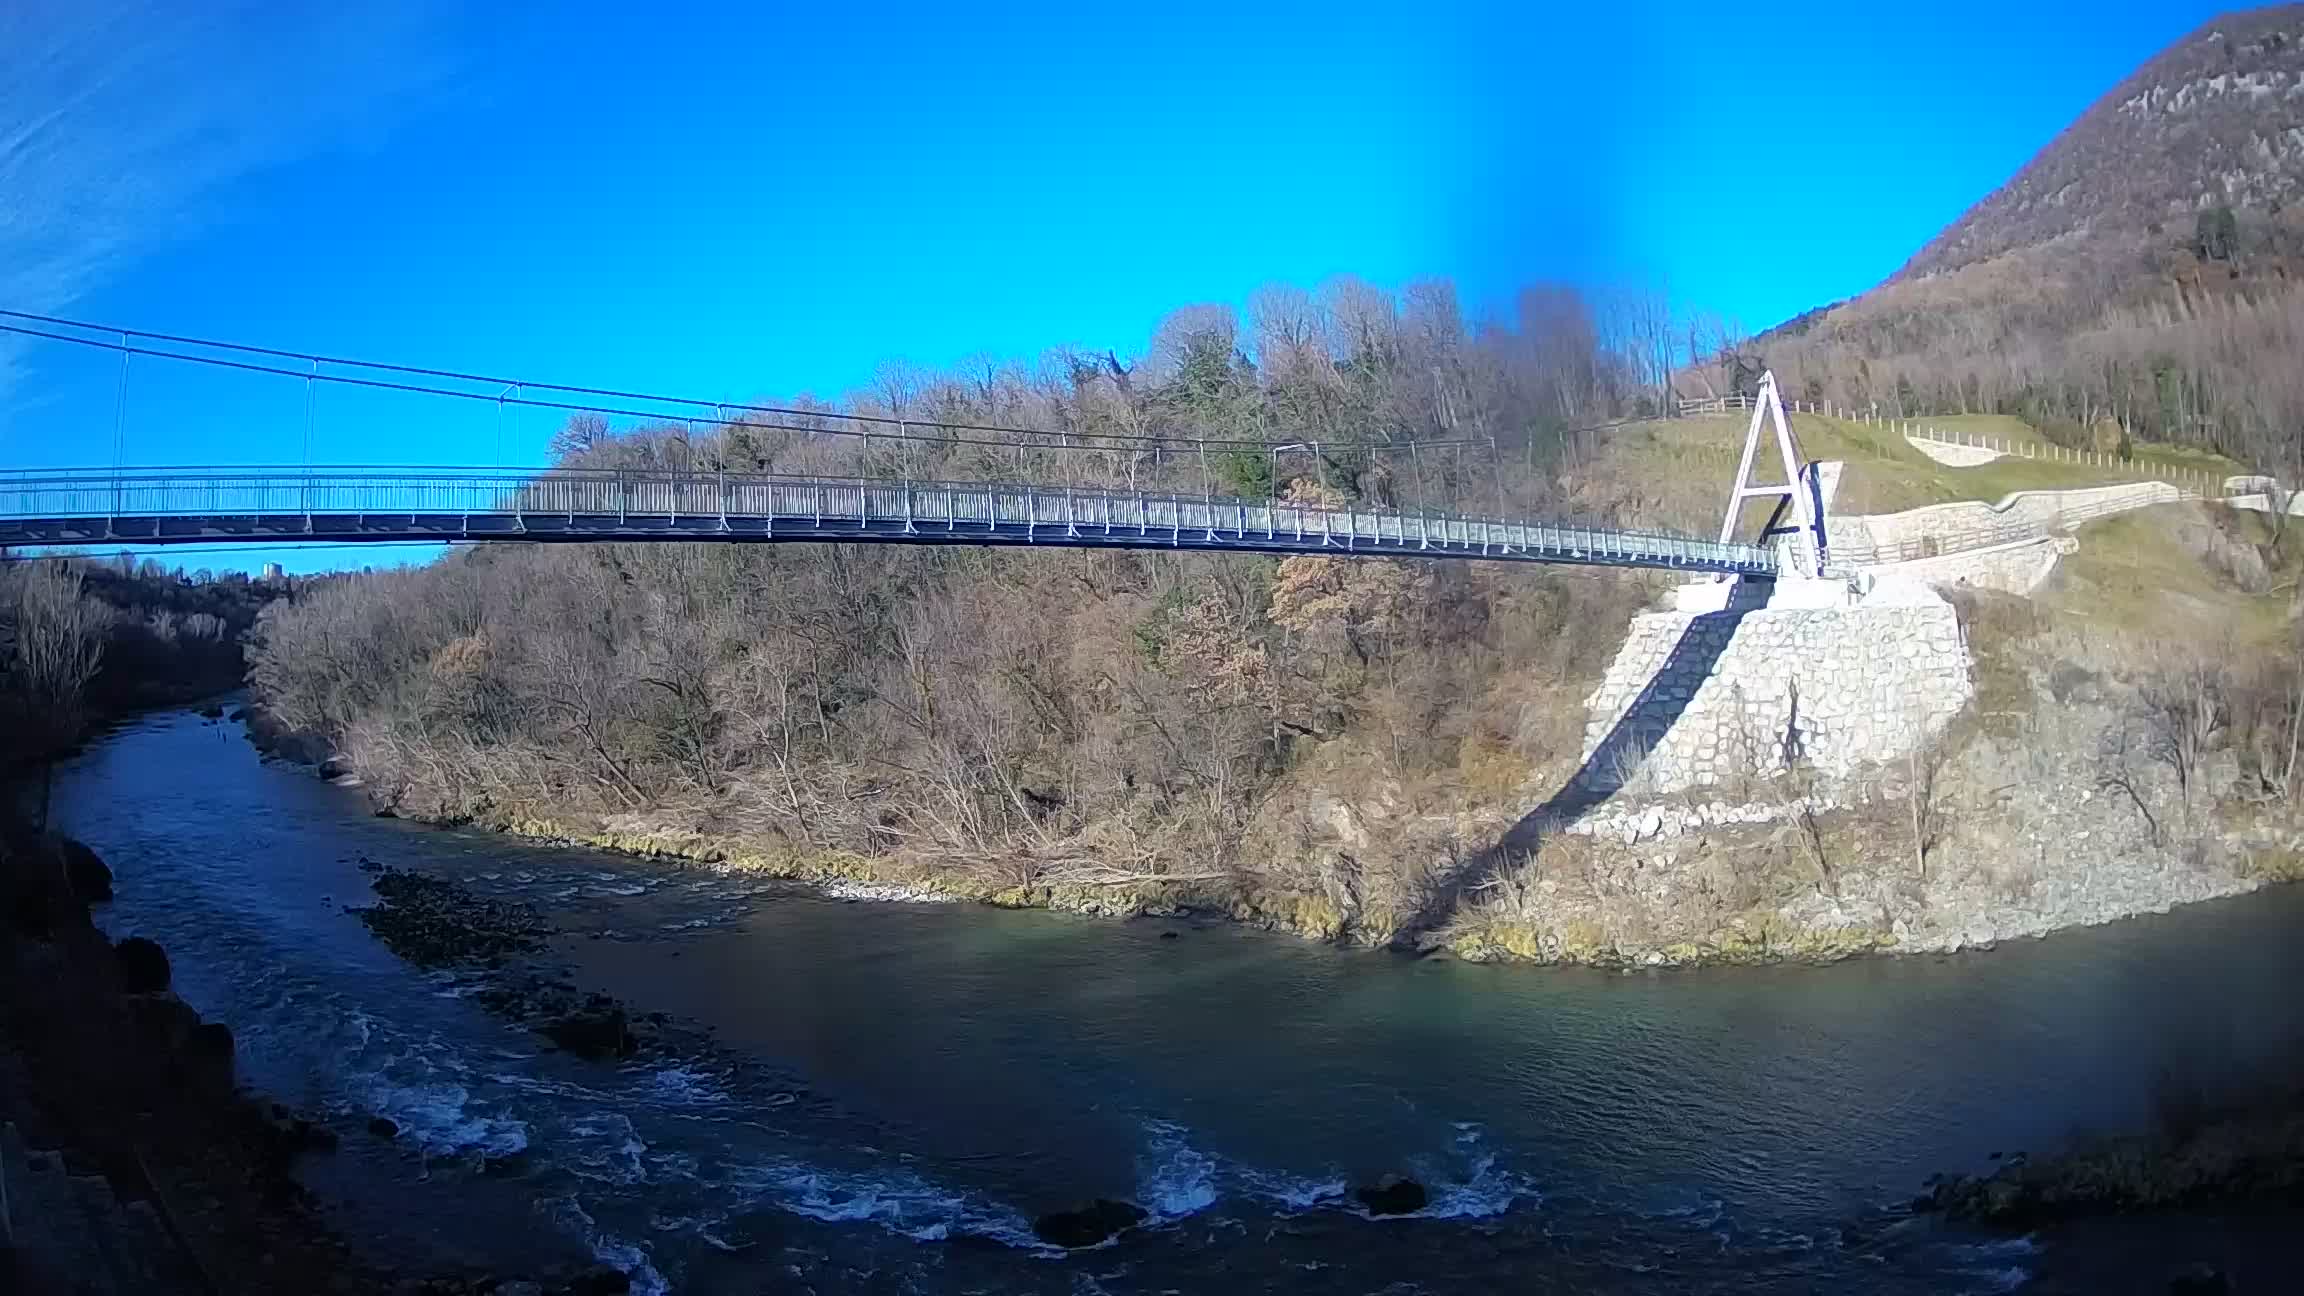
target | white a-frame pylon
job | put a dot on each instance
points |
(1796, 495)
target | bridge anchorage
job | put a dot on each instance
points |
(124, 505)
(1800, 494)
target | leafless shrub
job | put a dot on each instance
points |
(1922, 770)
(2116, 772)
(2184, 708)
(57, 636)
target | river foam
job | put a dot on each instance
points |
(1173, 1178)
(615, 1252)
(892, 1198)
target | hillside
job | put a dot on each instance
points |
(2217, 118)
(1668, 471)
(2138, 279)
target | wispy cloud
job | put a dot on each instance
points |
(123, 123)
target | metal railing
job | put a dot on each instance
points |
(1692, 405)
(166, 504)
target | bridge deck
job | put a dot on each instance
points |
(159, 506)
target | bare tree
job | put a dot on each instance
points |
(59, 643)
(579, 437)
(2115, 772)
(2184, 706)
(1923, 764)
(56, 639)
(1649, 339)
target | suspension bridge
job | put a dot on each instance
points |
(130, 505)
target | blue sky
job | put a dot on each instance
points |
(750, 200)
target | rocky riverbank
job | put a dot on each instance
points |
(2005, 828)
(1864, 906)
(137, 1165)
(899, 878)
(2251, 1155)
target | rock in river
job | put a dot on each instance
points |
(599, 1282)
(1392, 1195)
(1091, 1224)
(599, 1030)
(2202, 1279)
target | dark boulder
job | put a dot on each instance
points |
(290, 1136)
(162, 1018)
(2202, 1279)
(1392, 1195)
(37, 891)
(31, 904)
(91, 879)
(597, 1031)
(599, 1282)
(1096, 1222)
(207, 1058)
(212, 712)
(143, 966)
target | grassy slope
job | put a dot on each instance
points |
(1687, 463)
(2164, 575)
(2155, 572)
(2152, 574)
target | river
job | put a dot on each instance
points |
(897, 1089)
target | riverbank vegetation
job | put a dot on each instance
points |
(2212, 1138)
(133, 1162)
(81, 640)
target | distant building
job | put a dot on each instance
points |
(273, 572)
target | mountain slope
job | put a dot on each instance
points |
(2142, 277)
(2217, 118)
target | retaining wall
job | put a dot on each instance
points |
(1972, 524)
(1695, 701)
(2018, 568)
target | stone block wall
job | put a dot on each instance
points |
(1970, 524)
(2018, 568)
(1705, 700)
